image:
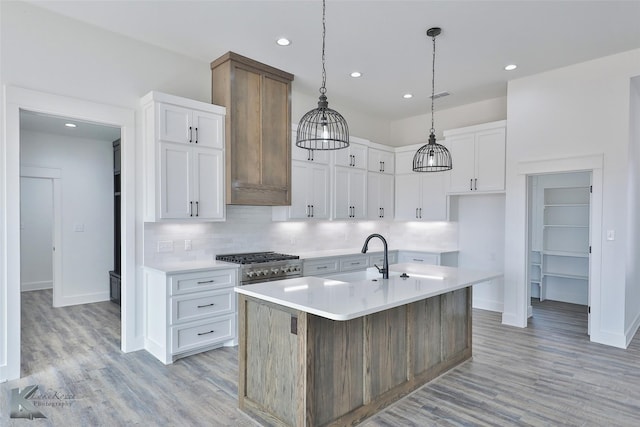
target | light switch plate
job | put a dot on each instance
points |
(78, 227)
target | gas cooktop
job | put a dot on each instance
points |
(255, 257)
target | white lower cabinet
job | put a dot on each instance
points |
(186, 313)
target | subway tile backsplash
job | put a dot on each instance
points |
(250, 229)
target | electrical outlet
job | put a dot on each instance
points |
(611, 234)
(187, 245)
(78, 227)
(165, 246)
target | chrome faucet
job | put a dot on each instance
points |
(385, 263)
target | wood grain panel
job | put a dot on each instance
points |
(387, 350)
(336, 362)
(456, 331)
(246, 126)
(271, 360)
(425, 337)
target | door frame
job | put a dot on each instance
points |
(16, 99)
(54, 175)
(593, 164)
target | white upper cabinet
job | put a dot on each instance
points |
(380, 195)
(310, 185)
(349, 193)
(420, 196)
(188, 126)
(381, 161)
(354, 156)
(184, 158)
(478, 157)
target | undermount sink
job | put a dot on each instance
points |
(368, 274)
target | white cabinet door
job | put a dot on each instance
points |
(341, 205)
(350, 193)
(490, 160)
(408, 194)
(433, 190)
(355, 156)
(381, 161)
(174, 124)
(358, 193)
(175, 183)
(208, 188)
(208, 129)
(380, 196)
(387, 196)
(309, 191)
(299, 191)
(319, 180)
(462, 174)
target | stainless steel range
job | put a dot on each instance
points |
(264, 266)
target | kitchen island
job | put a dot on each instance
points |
(318, 351)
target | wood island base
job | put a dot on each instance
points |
(300, 369)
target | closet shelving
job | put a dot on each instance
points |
(565, 248)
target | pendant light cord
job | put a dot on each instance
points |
(433, 81)
(323, 89)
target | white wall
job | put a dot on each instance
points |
(632, 298)
(414, 130)
(36, 233)
(481, 244)
(87, 210)
(578, 110)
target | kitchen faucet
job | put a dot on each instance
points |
(385, 263)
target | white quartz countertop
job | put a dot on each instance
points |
(373, 248)
(345, 300)
(191, 266)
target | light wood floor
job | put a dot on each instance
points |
(546, 375)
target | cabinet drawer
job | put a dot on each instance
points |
(319, 268)
(354, 263)
(420, 258)
(202, 281)
(379, 259)
(201, 305)
(203, 333)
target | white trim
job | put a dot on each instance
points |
(475, 128)
(593, 163)
(15, 99)
(84, 299)
(36, 286)
(38, 172)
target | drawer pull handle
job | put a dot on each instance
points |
(355, 263)
(322, 267)
(206, 305)
(418, 259)
(205, 333)
(206, 281)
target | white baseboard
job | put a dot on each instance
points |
(83, 299)
(608, 338)
(489, 305)
(36, 286)
(632, 329)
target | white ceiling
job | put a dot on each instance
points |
(385, 40)
(47, 123)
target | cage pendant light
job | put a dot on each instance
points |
(323, 128)
(432, 157)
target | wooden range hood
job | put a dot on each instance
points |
(257, 129)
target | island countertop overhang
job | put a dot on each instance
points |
(339, 300)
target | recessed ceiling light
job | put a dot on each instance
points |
(511, 67)
(356, 74)
(70, 125)
(407, 96)
(282, 41)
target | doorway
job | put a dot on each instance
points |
(17, 99)
(559, 231)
